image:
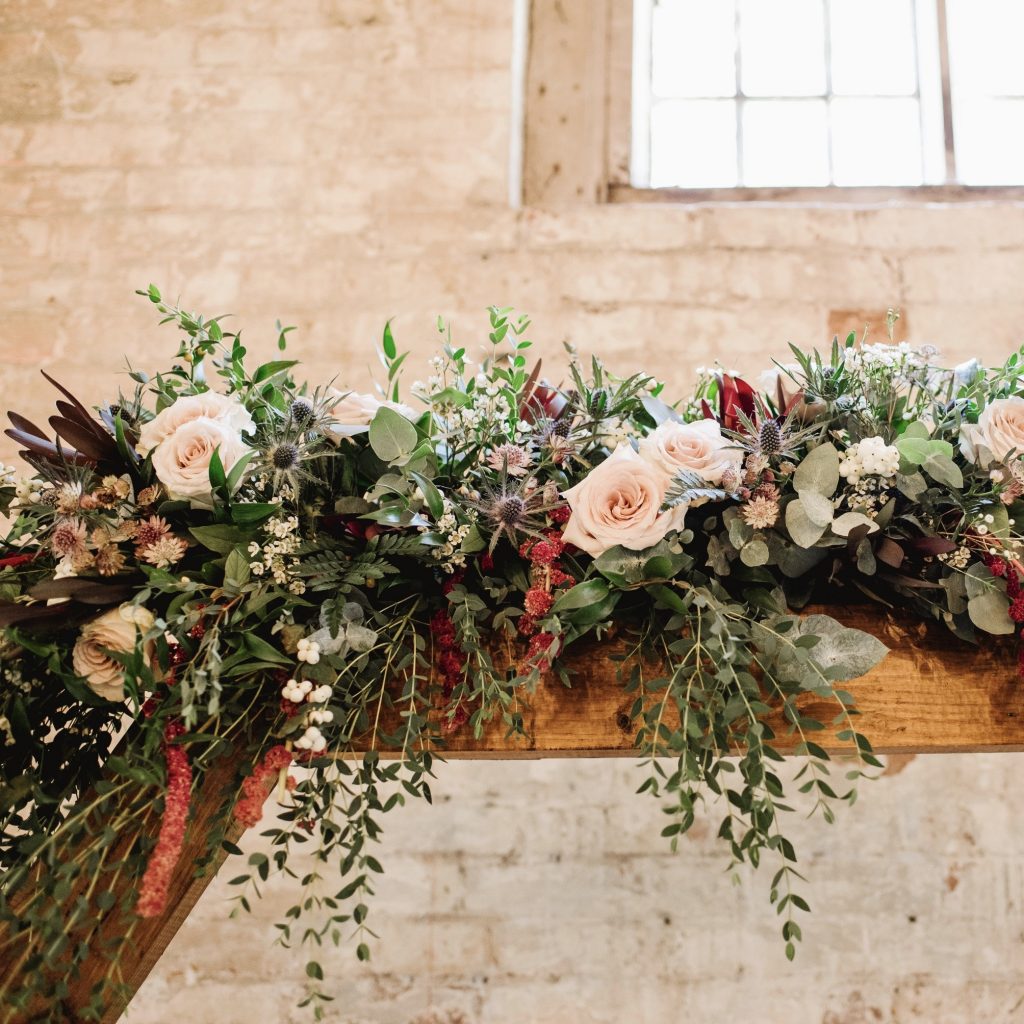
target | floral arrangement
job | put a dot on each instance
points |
(230, 563)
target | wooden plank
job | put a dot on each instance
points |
(147, 938)
(933, 693)
(564, 148)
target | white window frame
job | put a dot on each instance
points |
(578, 144)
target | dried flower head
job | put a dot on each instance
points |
(302, 412)
(109, 560)
(150, 531)
(69, 539)
(515, 507)
(148, 496)
(67, 499)
(769, 438)
(760, 513)
(165, 552)
(510, 458)
(284, 456)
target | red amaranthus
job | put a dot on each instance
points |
(249, 808)
(157, 879)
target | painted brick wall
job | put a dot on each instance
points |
(337, 162)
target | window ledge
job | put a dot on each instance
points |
(821, 196)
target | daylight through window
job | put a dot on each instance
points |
(786, 93)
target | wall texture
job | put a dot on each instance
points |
(337, 162)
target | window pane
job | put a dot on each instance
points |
(782, 47)
(785, 142)
(693, 143)
(988, 134)
(876, 142)
(873, 51)
(693, 48)
(985, 42)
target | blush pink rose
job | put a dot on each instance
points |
(352, 412)
(999, 430)
(182, 459)
(698, 447)
(209, 405)
(619, 502)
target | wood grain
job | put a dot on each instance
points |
(932, 694)
(147, 938)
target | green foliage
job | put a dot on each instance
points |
(349, 589)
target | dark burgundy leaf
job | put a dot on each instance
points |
(21, 423)
(932, 545)
(84, 440)
(67, 394)
(889, 552)
(46, 449)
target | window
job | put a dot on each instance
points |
(789, 93)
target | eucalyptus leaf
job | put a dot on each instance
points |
(942, 469)
(392, 436)
(804, 531)
(754, 553)
(990, 612)
(817, 507)
(912, 485)
(850, 520)
(819, 471)
(844, 652)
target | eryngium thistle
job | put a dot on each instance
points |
(770, 438)
(301, 411)
(509, 509)
(285, 456)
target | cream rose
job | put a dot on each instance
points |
(115, 630)
(619, 502)
(352, 412)
(209, 405)
(698, 447)
(182, 459)
(999, 430)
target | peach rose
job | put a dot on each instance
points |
(619, 502)
(115, 630)
(698, 447)
(182, 459)
(999, 430)
(209, 405)
(352, 412)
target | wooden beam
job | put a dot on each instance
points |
(566, 119)
(932, 694)
(145, 939)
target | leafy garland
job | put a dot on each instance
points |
(228, 564)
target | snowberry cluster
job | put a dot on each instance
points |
(302, 691)
(308, 651)
(869, 457)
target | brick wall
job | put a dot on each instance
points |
(337, 162)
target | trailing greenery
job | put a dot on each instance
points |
(230, 585)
